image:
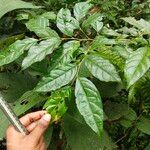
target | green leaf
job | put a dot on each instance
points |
(101, 68)
(55, 105)
(129, 118)
(9, 5)
(15, 50)
(141, 24)
(107, 89)
(22, 16)
(110, 32)
(36, 23)
(49, 15)
(57, 78)
(112, 56)
(147, 147)
(137, 65)
(4, 43)
(144, 125)
(97, 24)
(48, 135)
(66, 23)
(38, 52)
(87, 23)
(10, 85)
(26, 102)
(95, 21)
(115, 111)
(80, 136)
(89, 104)
(81, 9)
(106, 142)
(40, 25)
(101, 40)
(64, 55)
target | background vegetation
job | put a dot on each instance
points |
(87, 63)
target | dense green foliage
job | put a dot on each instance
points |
(87, 63)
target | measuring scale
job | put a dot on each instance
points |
(11, 116)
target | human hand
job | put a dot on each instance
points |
(36, 123)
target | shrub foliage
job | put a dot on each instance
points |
(87, 63)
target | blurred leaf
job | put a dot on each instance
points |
(80, 136)
(81, 9)
(9, 5)
(13, 85)
(48, 135)
(107, 89)
(129, 118)
(115, 111)
(92, 19)
(4, 43)
(66, 23)
(89, 104)
(106, 142)
(141, 24)
(147, 147)
(49, 15)
(144, 125)
(110, 32)
(97, 24)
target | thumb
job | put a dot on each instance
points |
(41, 126)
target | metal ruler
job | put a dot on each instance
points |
(12, 117)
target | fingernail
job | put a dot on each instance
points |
(47, 117)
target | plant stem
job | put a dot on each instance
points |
(63, 39)
(84, 33)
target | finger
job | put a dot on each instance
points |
(43, 147)
(31, 117)
(41, 141)
(41, 127)
(31, 127)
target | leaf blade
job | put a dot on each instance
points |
(38, 52)
(81, 9)
(15, 50)
(57, 78)
(89, 104)
(102, 69)
(66, 23)
(137, 65)
(9, 5)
